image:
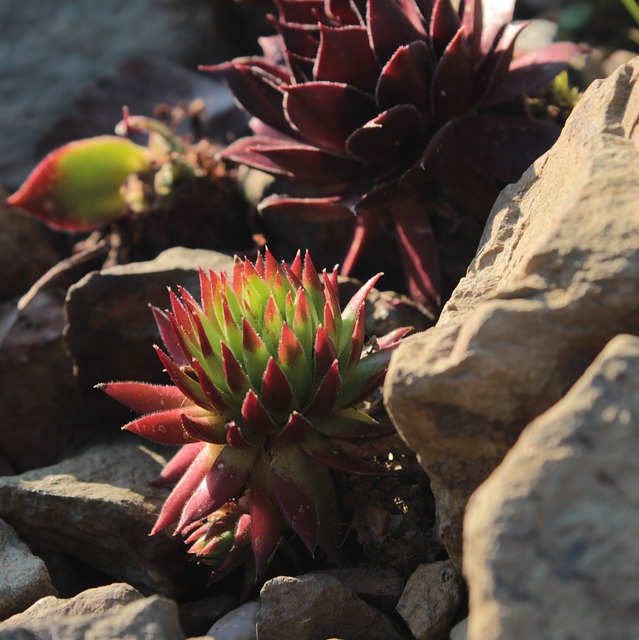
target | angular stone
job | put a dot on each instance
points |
(316, 606)
(552, 537)
(238, 624)
(99, 507)
(110, 330)
(380, 587)
(431, 599)
(554, 279)
(23, 577)
(153, 618)
(98, 600)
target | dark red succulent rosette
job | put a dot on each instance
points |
(366, 103)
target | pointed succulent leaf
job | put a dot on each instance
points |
(192, 478)
(272, 329)
(494, 68)
(419, 255)
(329, 454)
(240, 548)
(217, 398)
(345, 55)
(444, 23)
(452, 85)
(183, 319)
(391, 27)
(358, 338)
(294, 363)
(396, 131)
(295, 430)
(164, 427)
(255, 416)
(327, 508)
(326, 113)
(406, 79)
(271, 269)
(178, 464)
(78, 187)
(236, 379)
(325, 353)
(313, 285)
(303, 163)
(256, 86)
(295, 492)
(303, 325)
(184, 382)
(344, 12)
(254, 353)
(300, 43)
(332, 298)
(238, 435)
(172, 343)
(311, 209)
(277, 394)
(393, 337)
(533, 70)
(472, 21)
(350, 313)
(222, 482)
(352, 424)
(330, 324)
(327, 392)
(266, 527)
(143, 397)
(495, 15)
(207, 428)
(368, 370)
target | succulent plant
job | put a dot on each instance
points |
(88, 183)
(378, 107)
(268, 374)
(81, 185)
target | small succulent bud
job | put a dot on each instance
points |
(268, 372)
(80, 186)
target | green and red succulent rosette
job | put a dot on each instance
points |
(268, 374)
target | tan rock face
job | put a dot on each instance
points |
(555, 278)
(550, 541)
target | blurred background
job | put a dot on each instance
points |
(68, 66)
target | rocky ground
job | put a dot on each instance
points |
(514, 511)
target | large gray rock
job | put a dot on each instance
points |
(153, 618)
(23, 577)
(99, 507)
(431, 599)
(110, 329)
(552, 537)
(98, 600)
(238, 624)
(555, 278)
(316, 607)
